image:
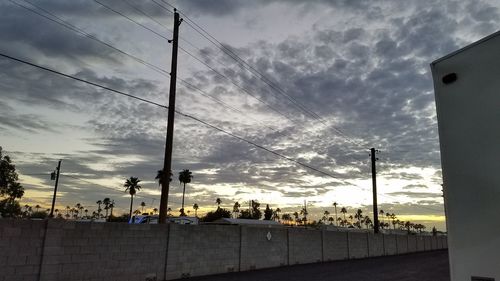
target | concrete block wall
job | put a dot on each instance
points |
(21, 244)
(195, 250)
(304, 246)
(420, 243)
(375, 245)
(402, 244)
(335, 246)
(257, 251)
(103, 251)
(358, 245)
(428, 243)
(67, 250)
(412, 244)
(390, 244)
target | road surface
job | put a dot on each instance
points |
(428, 266)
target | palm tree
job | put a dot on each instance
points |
(106, 203)
(57, 212)
(381, 212)
(218, 202)
(184, 177)
(37, 207)
(304, 212)
(335, 207)
(142, 206)
(111, 207)
(99, 202)
(77, 208)
(132, 186)
(159, 176)
(155, 210)
(236, 209)
(359, 217)
(195, 207)
(325, 216)
(344, 211)
(86, 213)
(296, 216)
(286, 217)
(276, 214)
(367, 221)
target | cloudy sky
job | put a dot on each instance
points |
(318, 81)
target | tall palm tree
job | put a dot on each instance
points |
(99, 202)
(344, 211)
(184, 177)
(335, 207)
(277, 214)
(37, 207)
(142, 206)
(381, 212)
(106, 203)
(218, 202)
(155, 210)
(132, 186)
(326, 214)
(236, 208)
(111, 207)
(195, 207)
(359, 217)
(77, 208)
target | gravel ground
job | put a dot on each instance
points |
(428, 266)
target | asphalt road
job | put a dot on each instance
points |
(428, 266)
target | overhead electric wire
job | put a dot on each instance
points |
(205, 94)
(74, 28)
(166, 107)
(132, 20)
(78, 30)
(199, 60)
(203, 32)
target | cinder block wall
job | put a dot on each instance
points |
(304, 246)
(358, 245)
(258, 250)
(21, 244)
(335, 246)
(68, 250)
(195, 250)
(375, 245)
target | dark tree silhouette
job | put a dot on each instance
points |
(132, 186)
(184, 177)
(10, 189)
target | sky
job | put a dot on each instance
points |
(319, 82)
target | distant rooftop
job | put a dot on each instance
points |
(247, 222)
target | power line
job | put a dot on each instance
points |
(166, 107)
(211, 68)
(73, 28)
(79, 31)
(186, 116)
(204, 33)
(83, 80)
(199, 60)
(132, 20)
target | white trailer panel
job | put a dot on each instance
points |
(467, 90)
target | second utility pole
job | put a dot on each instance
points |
(373, 151)
(58, 170)
(167, 164)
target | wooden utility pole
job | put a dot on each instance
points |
(373, 151)
(56, 175)
(167, 164)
